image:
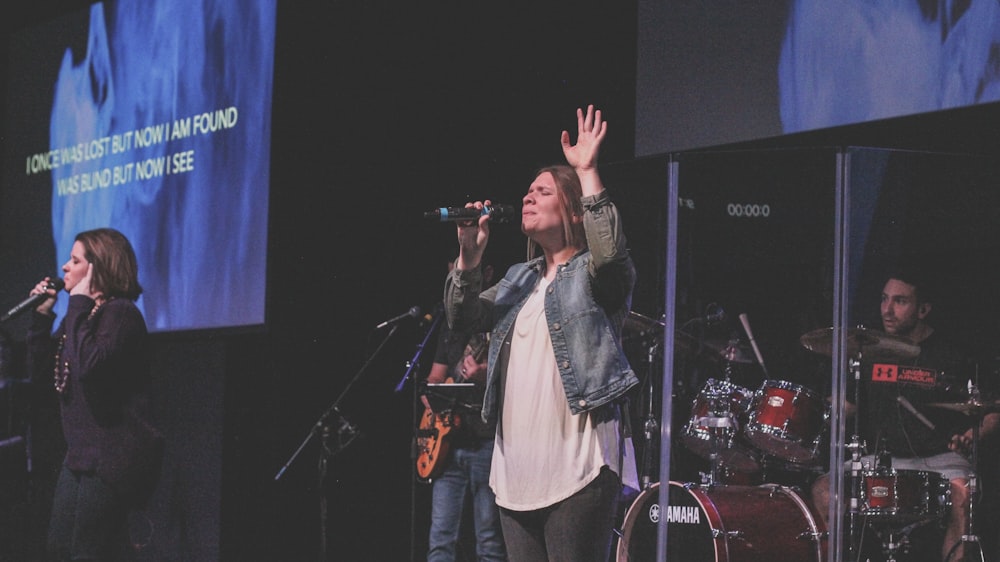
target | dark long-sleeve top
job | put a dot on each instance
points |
(105, 404)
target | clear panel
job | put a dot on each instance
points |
(755, 269)
(775, 265)
(919, 348)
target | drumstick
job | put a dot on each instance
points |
(916, 413)
(909, 407)
(753, 343)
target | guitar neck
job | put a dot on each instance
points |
(477, 347)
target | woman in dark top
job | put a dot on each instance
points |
(98, 363)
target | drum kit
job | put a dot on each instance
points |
(781, 424)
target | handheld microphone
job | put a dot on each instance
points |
(33, 300)
(497, 213)
(412, 313)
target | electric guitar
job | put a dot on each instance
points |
(433, 441)
(434, 432)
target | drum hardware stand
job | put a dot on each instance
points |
(720, 426)
(347, 432)
(648, 331)
(894, 540)
(723, 427)
(650, 428)
(894, 543)
(970, 535)
(856, 446)
(728, 356)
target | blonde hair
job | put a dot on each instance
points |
(570, 192)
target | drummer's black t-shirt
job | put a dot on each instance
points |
(936, 375)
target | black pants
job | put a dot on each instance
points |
(87, 519)
(577, 529)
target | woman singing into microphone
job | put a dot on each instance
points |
(556, 369)
(98, 363)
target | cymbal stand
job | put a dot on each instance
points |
(970, 535)
(729, 354)
(856, 446)
(650, 428)
(722, 426)
(720, 429)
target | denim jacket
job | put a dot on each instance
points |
(585, 308)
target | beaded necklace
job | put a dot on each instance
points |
(61, 371)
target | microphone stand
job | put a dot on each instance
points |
(412, 367)
(346, 433)
(414, 362)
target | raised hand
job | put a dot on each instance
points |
(591, 129)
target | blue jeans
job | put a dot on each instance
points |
(468, 471)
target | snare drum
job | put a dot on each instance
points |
(904, 496)
(786, 420)
(723, 524)
(718, 414)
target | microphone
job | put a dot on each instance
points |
(412, 313)
(435, 312)
(713, 314)
(916, 413)
(33, 300)
(497, 213)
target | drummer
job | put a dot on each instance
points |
(935, 375)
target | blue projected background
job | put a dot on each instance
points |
(153, 117)
(715, 73)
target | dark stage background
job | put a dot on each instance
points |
(382, 111)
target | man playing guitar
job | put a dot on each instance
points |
(455, 450)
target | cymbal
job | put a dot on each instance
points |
(974, 408)
(733, 352)
(638, 324)
(685, 343)
(871, 344)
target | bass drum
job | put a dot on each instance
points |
(723, 524)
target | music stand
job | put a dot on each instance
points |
(446, 396)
